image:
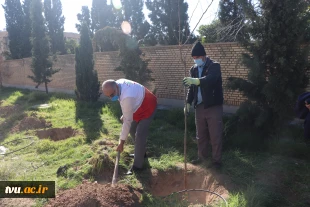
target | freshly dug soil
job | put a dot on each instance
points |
(6, 110)
(56, 134)
(95, 195)
(17, 202)
(165, 183)
(31, 123)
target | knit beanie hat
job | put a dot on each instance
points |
(198, 50)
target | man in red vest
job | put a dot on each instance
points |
(138, 107)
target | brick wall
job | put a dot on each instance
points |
(164, 61)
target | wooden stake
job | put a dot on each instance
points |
(115, 174)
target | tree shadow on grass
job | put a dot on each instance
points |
(9, 123)
(167, 138)
(89, 113)
(11, 113)
(114, 109)
(166, 134)
(7, 94)
(17, 102)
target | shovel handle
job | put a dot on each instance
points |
(115, 174)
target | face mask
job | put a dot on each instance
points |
(199, 62)
(115, 98)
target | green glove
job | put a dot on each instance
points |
(191, 81)
(187, 108)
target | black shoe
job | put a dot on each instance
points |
(196, 161)
(217, 165)
(133, 155)
(132, 170)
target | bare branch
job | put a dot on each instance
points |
(198, 22)
(238, 30)
(231, 31)
(228, 32)
(193, 12)
(182, 58)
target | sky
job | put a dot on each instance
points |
(72, 7)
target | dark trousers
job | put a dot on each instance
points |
(139, 132)
(209, 129)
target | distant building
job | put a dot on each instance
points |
(72, 36)
(4, 40)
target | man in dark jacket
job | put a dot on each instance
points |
(206, 92)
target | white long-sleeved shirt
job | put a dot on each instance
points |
(131, 98)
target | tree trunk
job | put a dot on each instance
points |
(46, 89)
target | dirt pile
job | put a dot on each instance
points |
(6, 110)
(31, 123)
(17, 202)
(165, 183)
(56, 134)
(95, 195)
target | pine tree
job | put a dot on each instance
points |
(151, 37)
(210, 33)
(102, 15)
(133, 13)
(26, 48)
(41, 65)
(107, 39)
(277, 62)
(55, 23)
(14, 25)
(99, 14)
(132, 64)
(231, 15)
(87, 84)
(230, 11)
(165, 20)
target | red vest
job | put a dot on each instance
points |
(147, 107)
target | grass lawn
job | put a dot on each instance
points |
(275, 174)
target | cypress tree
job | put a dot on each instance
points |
(87, 84)
(14, 17)
(55, 24)
(84, 17)
(26, 49)
(132, 63)
(41, 64)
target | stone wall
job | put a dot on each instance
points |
(164, 62)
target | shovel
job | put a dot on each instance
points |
(115, 174)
